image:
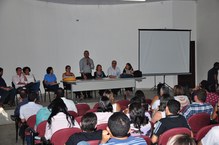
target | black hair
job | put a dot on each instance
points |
(48, 70)
(17, 68)
(130, 66)
(98, 66)
(201, 95)
(163, 101)
(26, 67)
(159, 86)
(32, 97)
(139, 93)
(1, 69)
(119, 124)
(89, 122)
(60, 92)
(216, 65)
(105, 105)
(137, 116)
(23, 93)
(165, 90)
(204, 85)
(67, 66)
(141, 100)
(173, 106)
(59, 106)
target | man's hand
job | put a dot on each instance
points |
(105, 136)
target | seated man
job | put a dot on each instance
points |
(211, 138)
(7, 93)
(199, 106)
(69, 103)
(22, 101)
(88, 125)
(172, 120)
(118, 131)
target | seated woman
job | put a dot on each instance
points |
(99, 74)
(34, 85)
(104, 111)
(127, 73)
(116, 106)
(140, 124)
(179, 96)
(50, 80)
(59, 119)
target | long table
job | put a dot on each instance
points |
(101, 84)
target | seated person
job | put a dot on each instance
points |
(34, 85)
(59, 119)
(116, 106)
(67, 75)
(7, 93)
(215, 114)
(181, 139)
(180, 96)
(22, 101)
(127, 73)
(199, 105)
(211, 138)
(50, 80)
(118, 131)
(88, 126)
(172, 120)
(140, 124)
(159, 86)
(104, 111)
(29, 109)
(114, 72)
(99, 74)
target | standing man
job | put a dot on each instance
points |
(86, 65)
(213, 77)
(7, 93)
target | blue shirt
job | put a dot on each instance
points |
(42, 114)
(196, 108)
(129, 141)
(50, 78)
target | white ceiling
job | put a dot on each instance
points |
(104, 2)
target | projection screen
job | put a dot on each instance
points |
(164, 51)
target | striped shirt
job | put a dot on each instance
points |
(129, 141)
(196, 108)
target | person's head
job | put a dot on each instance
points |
(18, 70)
(58, 106)
(119, 125)
(140, 94)
(98, 67)
(32, 97)
(26, 70)
(128, 66)
(86, 54)
(68, 68)
(137, 115)
(163, 102)
(105, 105)
(178, 90)
(49, 70)
(89, 122)
(109, 94)
(159, 86)
(164, 90)
(1, 71)
(140, 99)
(59, 93)
(200, 95)
(23, 93)
(181, 139)
(216, 65)
(173, 107)
(114, 63)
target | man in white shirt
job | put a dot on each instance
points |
(114, 72)
(69, 103)
(19, 79)
(29, 109)
(211, 138)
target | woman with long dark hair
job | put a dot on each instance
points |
(59, 118)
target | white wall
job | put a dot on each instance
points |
(207, 36)
(40, 34)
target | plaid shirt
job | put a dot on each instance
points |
(196, 108)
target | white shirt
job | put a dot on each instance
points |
(16, 79)
(103, 117)
(114, 72)
(58, 122)
(211, 138)
(30, 78)
(70, 104)
(155, 105)
(29, 109)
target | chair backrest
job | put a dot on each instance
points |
(31, 121)
(41, 128)
(93, 142)
(92, 110)
(61, 136)
(148, 101)
(122, 107)
(147, 139)
(78, 119)
(203, 131)
(82, 108)
(102, 126)
(197, 121)
(123, 103)
(163, 138)
(73, 113)
(96, 106)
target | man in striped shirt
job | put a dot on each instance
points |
(199, 106)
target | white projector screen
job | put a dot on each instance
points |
(163, 52)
